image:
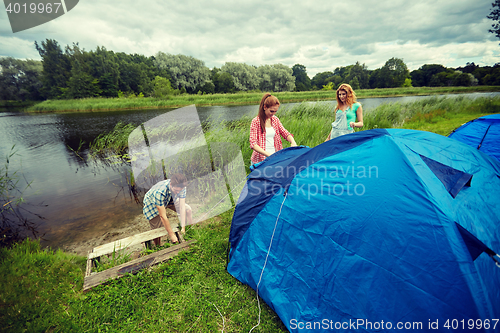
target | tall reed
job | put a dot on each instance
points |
(114, 142)
(15, 216)
(394, 115)
(310, 122)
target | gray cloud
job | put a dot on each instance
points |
(320, 35)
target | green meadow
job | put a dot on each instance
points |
(242, 98)
(41, 289)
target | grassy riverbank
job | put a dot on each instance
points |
(244, 98)
(310, 123)
(15, 104)
(41, 290)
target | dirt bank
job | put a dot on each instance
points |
(137, 225)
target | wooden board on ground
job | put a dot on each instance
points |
(92, 280)
(127, 242)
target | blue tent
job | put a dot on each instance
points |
(371, 229)
(482, 133)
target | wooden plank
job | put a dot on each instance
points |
(134, 265)
(126, 242)
(88, 271)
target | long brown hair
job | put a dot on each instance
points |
(350, 98)
(267, 101)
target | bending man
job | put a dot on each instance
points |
(161, 195)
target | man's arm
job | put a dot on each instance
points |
(166, 223)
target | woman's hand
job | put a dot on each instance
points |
(261, 151)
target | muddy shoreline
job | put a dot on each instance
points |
(136, 225)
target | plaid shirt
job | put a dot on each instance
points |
(259, 138)
(159, 195)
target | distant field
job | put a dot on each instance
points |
(242, 98)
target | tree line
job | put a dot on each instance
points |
(395, 74)
(76, 73)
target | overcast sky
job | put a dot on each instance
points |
(319, 34)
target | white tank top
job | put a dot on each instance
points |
(270, 133)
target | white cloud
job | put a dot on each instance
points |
(18, 48)
(320, 35)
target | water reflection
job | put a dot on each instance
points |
(72, 191)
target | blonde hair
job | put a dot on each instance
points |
(350, 98)
(267, 101)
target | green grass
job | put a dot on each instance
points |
(438, 115)
(37, 287)
(114, 259)
(310, 123)
(115, 141)
(16, 104)
(242, 98)
(41, 290)
(443, 125)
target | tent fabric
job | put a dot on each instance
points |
(482, 133)
(363, 230)
(474, 245)
(454, 180)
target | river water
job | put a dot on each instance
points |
(71, 196)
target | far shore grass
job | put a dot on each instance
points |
(310, 123)
(241, 98)
(41, 289)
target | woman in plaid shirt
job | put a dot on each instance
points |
(265, 130)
